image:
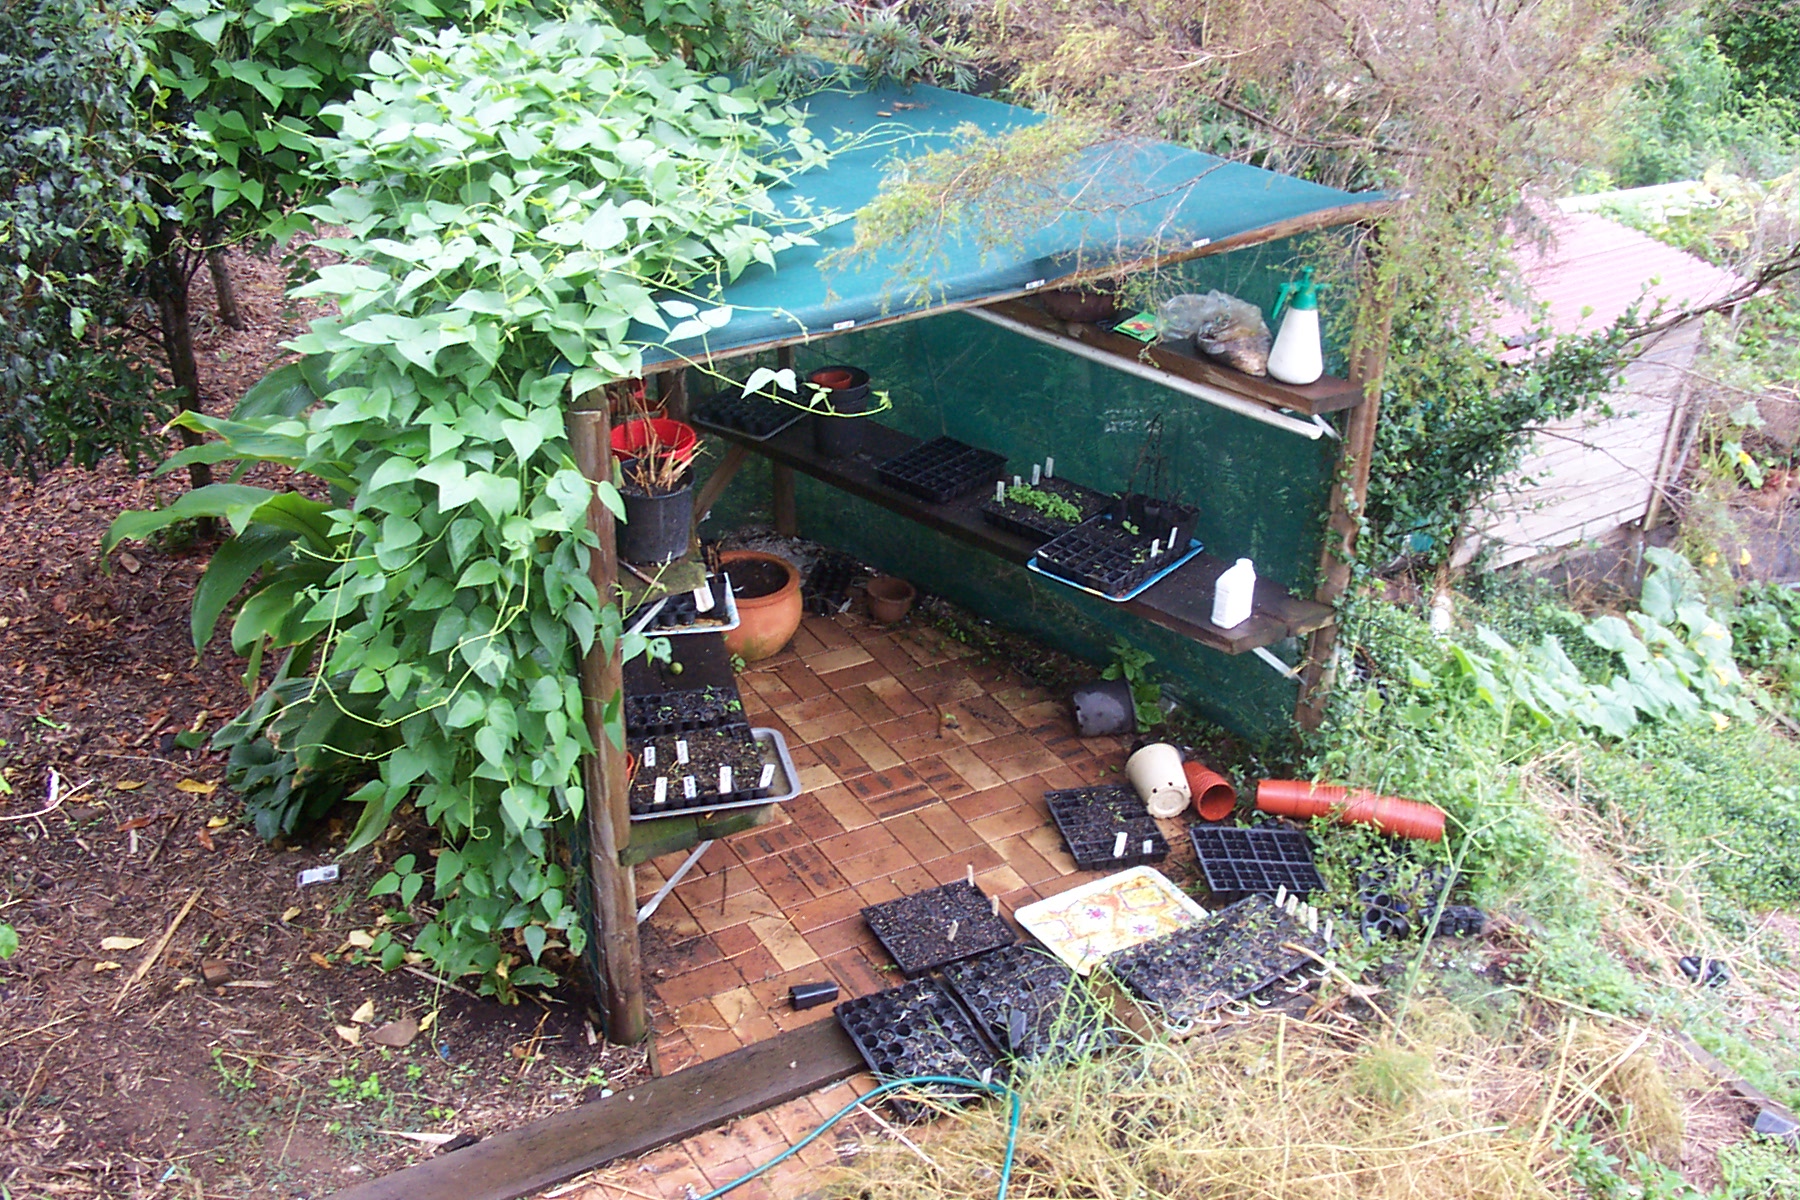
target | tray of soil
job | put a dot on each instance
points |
(1241, 950)
(941, 470)
(928, 930)
(761, 771)
(1261, 860)
(680, 612)
(1084, 924)
(1106, 828)
(826, 588)
(758, 417)
(1030, 1004)
(918, 1028)
(1040, 511)
(1120, 552)
(661, 713)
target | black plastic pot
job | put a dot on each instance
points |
(657, 528)
(841, 435)
(1104, 708)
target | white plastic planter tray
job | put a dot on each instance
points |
(730, 621)
(1085, 924)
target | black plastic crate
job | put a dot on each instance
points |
(826, 589)
(1240, 951)
(1030, 1004)
(756, 416)
(1091, 820)
(1261, 860)
(1037, 525)
(731, 744)
(660, 713)
(928, 930)
(942, 470)
(1117, 550)
(918, 1028)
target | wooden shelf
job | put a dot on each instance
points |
(1181, 601)
(1329, 394)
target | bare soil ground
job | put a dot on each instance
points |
(122, 1074)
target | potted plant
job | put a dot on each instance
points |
(840, 394)
(656, 486)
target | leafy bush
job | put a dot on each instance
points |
(1765, 631)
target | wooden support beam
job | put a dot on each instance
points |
(671, 391)
(709, 492)
(603, 777)
(781, 479)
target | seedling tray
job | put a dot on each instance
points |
(917, 930)
(1038, 526)
(1084, 924)
(1260, 860)
(756, 417)
(1030, 1004)
(771, 751)
(660, 713)
(1091, 820)
(1240, 951)
(942, 470)
(1102, 556)
(917, 1028)
(827, 587)
(680, 612)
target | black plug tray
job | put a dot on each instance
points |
(1241, 950)
(659, 713)
(917, 1028)
(756, 416)
(916, 930)
(1030, 1004)
(1258, 860)
(941, 470)
(730, 745)
(1039, 526)
(1091, 820)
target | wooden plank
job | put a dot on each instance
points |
(715, 484)
(629, 1123)
(1329, 394)
(1182, 601)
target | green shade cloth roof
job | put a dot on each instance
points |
(1139, 201)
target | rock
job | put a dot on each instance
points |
(215, 972)
(1771, 1123)
(395, 1033)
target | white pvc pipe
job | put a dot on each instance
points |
(1131, 366)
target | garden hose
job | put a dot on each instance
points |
(992, 1089)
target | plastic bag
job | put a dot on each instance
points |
(1222, 326)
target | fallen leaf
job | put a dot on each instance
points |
(195, 787)
(105, 965)
(429, 1021)
(218, 822)
(205, 839)
(291, 913)
(349, 1033)
(428, 1139)
(129, 785)
(120, 943)
(365, 1012)
(320, 961)
(396, 1033)
(129, 561)
(136, 823)
(362, 939)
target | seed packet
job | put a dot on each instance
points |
(1144, 327)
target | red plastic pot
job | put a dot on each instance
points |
(1214, 797)
(675, 438)
(1304, 799)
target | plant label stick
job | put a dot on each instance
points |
(649, 756)
(1037, 474)
(662, 789)
(1280, 895)
(951, 936)
(1017, 481)
(724, 779)
(1049, 467)
(688, 787)
(999, 491)
(681, 751)
(971, 874)
(768, 775)
(703, 597)
(995, 902)
(1119, 844)
(1149, 847)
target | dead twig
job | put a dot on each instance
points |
(161, 945)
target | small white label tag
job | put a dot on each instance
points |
(843, 325)
(662, 789)
(1149, 846)
(1034, 285)
(724, 780)
(649, 756)
(312, 875)
(688, 787)
(1199, 242)
(1119, 844)
(681, 750)
(703, 597)
(768, 775)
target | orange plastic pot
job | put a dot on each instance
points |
(1304, 800)
(1214, 796)
(766, 588)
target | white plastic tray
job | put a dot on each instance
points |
(1085, 924)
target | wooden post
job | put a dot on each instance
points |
(1349, 496)
(603, 777)
(781, 479)
(671, 390)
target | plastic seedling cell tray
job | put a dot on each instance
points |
(1261, 860)
(941, 470)
(1084, 924)
(1240, 951)
(757, 417)
(1119, 553)
(767, 758)
(1018, 517)
(1093, 818)
(917, 1028)
(826, 589)
(662, 713)
(681, 613)
(928, 930)
(1030, 1004)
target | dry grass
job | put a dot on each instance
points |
(1280, 1109)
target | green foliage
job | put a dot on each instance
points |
(9, 941)
(1765, 632)
(1762, 40)
(1132, 665)
(72, 211)
(510, 198)
(1048, 503)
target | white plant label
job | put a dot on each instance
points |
(681, 751)
(649, 756)
(999, 491)
(724, 780)
(703, 598)
(843, 325)
(768, 775)
(1037, 474)
(662, 789)
(325, 874)
(1149, 846)
(1119, 844)
(689, 788)
(1049, 467)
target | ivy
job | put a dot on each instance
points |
(515, 202)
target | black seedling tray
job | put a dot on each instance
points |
(707, 748)
(942, 470)
(827, 586)
(1259, 860)
(1104, 555)
(681, 611)
(917, 1028)
(1190, 972)
(1040, 527)
(915, 930)
(1030, 1004)
(755, 416)
(660, 713)
(1399, 900)
(1091, 820)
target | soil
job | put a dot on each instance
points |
(119, 1086)
(931, 929)
(693, 760)
(752, 579)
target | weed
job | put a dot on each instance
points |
(233, 1079)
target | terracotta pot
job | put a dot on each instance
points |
(1081, 305)
(767, 590)
(890, 598)
(1214, 796)
(1351, 806)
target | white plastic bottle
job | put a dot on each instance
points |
(1296, 357)
(1234, 594)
